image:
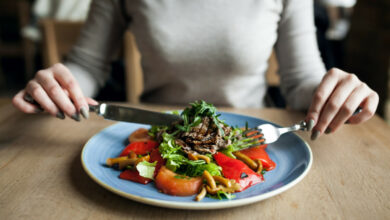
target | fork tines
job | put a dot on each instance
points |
(258, 143)
(252, 132)
(256, 135)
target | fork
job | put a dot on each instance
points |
(271, 133)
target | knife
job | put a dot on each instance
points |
(135, 115)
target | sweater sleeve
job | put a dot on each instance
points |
(99, 40)
(300, 66)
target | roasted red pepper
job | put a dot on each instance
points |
(237, 170)
(155, 155)
(260, 153)
(134, 176)
(141, 147)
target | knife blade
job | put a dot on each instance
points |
(135, 115)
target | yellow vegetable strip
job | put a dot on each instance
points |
(124, 163)
(259, 166)
(222, 188)
(111, 161)
(192, 156)
(203, 157)
(210, 180)
(222, 180)
(132, 154)
(198, 157)
(201, 194)
(248, 161)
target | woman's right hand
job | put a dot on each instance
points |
(56, 91)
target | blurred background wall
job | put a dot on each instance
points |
(352, 35)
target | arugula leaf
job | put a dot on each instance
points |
(171, 152)
(177, 161)
(193, 115)
(146, 169)
(176, 158)
(239, 142)
(155, 129)
(175, 112)
(222, 195)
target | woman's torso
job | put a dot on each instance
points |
(211, 50)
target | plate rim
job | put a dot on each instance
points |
(199, 205)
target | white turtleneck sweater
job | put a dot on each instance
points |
(215, 50)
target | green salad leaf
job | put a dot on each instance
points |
(193, 115)
(176, 158)
(177, 161)
(146, 169)
(196, 169)
(239, 142)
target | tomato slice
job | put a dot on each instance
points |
(260, 153)
(141, 134)
(237, 170)
(141, 147)
(174, 184)
(155, 155)
(134, 176)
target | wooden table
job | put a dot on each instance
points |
(41, 176)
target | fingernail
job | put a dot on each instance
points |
(27, 97)
(84, 112)
(38, 110)
(76, 117)
(315, 135)
(310, 125)
(328, 131)
(60, 115)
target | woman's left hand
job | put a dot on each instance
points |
(336, 99)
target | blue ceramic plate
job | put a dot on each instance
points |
(291, 154)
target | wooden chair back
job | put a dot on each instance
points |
(272, 77)
(134, 76)
(58, 39)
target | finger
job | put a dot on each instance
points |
(55, 92)
(41, 97)
(348, 108)
(369, 106)
(335, 101)
(26, 107)
(66, 92)
(69, 83)
(91, 101)
(324, 90)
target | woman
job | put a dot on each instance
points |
(211, 50)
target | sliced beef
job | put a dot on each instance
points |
(184, 146)
(204, 138)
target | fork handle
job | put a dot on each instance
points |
(302, 125)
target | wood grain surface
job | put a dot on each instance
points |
(41, 176)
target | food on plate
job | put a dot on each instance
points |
(199, 155)
(175, 184)
(141, 134)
